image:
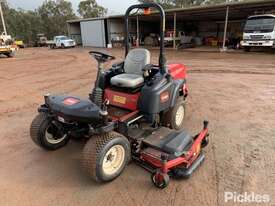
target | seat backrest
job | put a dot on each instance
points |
(135, 61)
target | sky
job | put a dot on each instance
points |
(113, 6)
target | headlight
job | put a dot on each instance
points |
(245, 37)
(267, 37)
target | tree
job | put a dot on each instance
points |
(21, 24)
(54, 15)
(90, 9)
(50, 19)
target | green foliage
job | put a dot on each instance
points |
(50, 18)
(54, 16)
(90, 9)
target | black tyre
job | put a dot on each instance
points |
(205, 141)
(160, 180)
(105, 156)
(247, 49)
(174, 117)
(62, 46)
(45, 134)
(10, 55)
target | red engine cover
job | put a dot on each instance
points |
(123, 100)
(177, 71)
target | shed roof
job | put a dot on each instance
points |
(238, 10)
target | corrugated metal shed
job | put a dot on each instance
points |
(93, 33)
(238, 11)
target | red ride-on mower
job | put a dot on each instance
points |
(135, 111)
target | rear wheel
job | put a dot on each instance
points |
(45, 134)
(174, 117)
(105, 156)
(62, 46)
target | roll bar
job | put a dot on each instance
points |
(162, 59)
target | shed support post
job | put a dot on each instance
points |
(68, 29)
(175, 30)
(137, 40)
(225, 28)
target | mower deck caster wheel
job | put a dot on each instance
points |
(160, 180)
(205, 142)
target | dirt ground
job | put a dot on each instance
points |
(234, 91)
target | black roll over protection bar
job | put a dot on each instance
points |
(162, 59)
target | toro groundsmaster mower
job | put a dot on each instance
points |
(135, 111)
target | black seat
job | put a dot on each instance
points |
(169, 141)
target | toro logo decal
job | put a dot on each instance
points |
(164, 97)
(70, 101)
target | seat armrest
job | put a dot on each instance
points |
(147, 70)
(118, 67)
(147, 67)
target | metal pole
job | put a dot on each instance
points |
(137, 41)
(225, 28)
(175, 30)
(2, 17)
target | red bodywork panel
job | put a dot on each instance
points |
(122, 100)
(130, 101)
(177, 71)
(186, 159)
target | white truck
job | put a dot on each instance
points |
(61, 42)
(259, 31)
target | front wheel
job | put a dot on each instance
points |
(45, 134)
(160, 180)
(105, 156)
(174, 117)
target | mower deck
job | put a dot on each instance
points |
(169, 141)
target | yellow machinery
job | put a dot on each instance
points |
(19, 43)
(6, 46)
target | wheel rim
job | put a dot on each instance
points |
(157, 181)
(52, 139)
(180, 115)
(113, 159)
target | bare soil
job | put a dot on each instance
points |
(234, 91)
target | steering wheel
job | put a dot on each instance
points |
(101, 57)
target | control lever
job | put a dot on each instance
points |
(147, 69)
(103, 112)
